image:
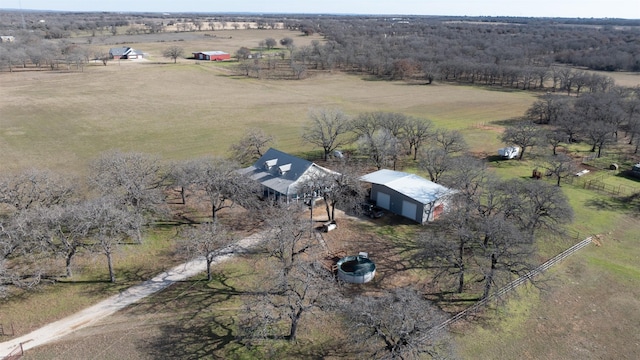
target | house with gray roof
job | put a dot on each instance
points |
(124, 53)
(282, 175)
(408, 195)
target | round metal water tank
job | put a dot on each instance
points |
(356, 269)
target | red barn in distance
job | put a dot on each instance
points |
(211, 55)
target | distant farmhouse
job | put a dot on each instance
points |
(282, 175)
(125, 53)
(7, 39)
(212, 55)
(408, 195)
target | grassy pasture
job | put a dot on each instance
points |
(61, 120)
(184, 110)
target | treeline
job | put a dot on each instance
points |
(47, 219)
(504, 54)
(599, 119)
(511, 52)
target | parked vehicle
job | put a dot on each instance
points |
(509, 152)
(371, 210)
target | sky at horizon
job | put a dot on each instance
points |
(626, 9)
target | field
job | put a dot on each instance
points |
(61, 120)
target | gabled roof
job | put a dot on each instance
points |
(411, 185)
(121, 51)
(214, 53)
(280, 171)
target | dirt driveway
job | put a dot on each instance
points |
(91, 315)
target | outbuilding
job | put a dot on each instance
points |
(212, 55)
(408, 195)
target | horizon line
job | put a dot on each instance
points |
(315, 13)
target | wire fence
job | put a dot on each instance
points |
(502, 291)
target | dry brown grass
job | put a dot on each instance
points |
(62, 119)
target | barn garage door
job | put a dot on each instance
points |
(383, 200)
(409, 209)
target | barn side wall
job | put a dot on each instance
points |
(395, 202)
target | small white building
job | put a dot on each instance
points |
(509, 152)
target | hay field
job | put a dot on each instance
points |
(185, 110)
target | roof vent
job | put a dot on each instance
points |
(284, 168)
(270, 163)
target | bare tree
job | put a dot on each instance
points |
(600, 134)
(24, 254)
(251, 146)
(327, 128)
(447, 247)
(108, 227)
(287, 42)
(504, 250)
(560, 166)
(173, 52)
(546, 109)
(103, 56)
(35, 188)
(68, 231)
(450, 141)
(395, 325)
(524, 134)
(293, 284)
(438, 158)
(535, 205)
(435, 161)
(205, 240)
(381, 148)
(270, 43)
(243, 53)
(416, 132)
(219, 182)
(365, 125)
(134, 180)
(394, 122)
(341, 189)
(299, 70)
(555, 138)
(571, 125)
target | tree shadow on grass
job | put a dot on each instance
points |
(199, 320)
(627, 204)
